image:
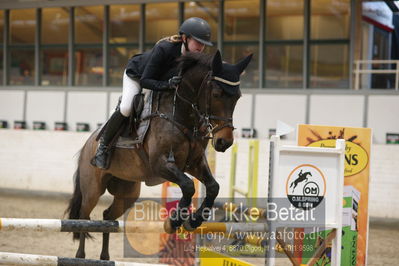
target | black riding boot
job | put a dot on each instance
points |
(101, 158)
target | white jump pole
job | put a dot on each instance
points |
(7, 258)
(54, 225)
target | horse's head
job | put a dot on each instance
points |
(225, 91)
(216, 86)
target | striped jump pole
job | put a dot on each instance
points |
(55, 225)
(7, 258)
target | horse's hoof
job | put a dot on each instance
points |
(104, 257)
(80, 255)
(167, 226)
(187, 226)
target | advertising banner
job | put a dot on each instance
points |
(356, 182)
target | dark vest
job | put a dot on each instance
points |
(155, 67)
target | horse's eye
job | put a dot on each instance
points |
(217, 92)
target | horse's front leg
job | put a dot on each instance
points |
(204, 175)
(172, 173)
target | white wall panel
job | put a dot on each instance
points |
(44, 161)
(86, 107)
(113, 101)
(243, 113)
(383, 116)
(11, 105)
(384, 181)
(46, 106)
(291, 109)
(337, 110)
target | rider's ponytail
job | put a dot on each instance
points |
(173, 38)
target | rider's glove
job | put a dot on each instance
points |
(174, 81)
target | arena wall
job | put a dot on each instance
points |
(258, 110)
(46, 160)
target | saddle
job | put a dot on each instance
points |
(133, 130)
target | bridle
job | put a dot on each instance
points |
(205, 118)
(203, 130)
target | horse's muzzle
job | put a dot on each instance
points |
(221, 144)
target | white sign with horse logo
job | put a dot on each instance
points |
(308, 181)
(306, 186)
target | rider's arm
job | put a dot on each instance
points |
(152, 70)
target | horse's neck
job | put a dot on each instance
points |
(183, 112)
(184, 108)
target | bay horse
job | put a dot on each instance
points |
(182, 122)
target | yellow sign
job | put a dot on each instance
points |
(357, 167)
(356, 157)
(211, 258)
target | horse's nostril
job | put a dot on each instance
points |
(220, 142)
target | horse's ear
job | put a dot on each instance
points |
(217, 64)
(240, 66)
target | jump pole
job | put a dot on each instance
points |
(55, 225)
(7, 258)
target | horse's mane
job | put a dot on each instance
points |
(190, 60)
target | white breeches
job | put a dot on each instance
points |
(130, 89)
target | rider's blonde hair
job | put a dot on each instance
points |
(173, 38)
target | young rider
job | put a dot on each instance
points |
(144, 71)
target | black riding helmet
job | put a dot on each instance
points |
(198, 29)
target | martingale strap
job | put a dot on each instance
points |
(225, 81)
(186, 132)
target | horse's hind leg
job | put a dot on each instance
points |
(88, 204)
(91, 192)
(125, 194)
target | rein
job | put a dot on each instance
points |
(204, 128)
(206, 118)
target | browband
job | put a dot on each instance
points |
(231, 83)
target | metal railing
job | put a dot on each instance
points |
(359, 70)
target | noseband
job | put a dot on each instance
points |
(206, 117)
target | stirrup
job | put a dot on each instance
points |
(102, 157)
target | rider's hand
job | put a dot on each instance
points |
(174, 81)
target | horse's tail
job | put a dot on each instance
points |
(75, 203)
